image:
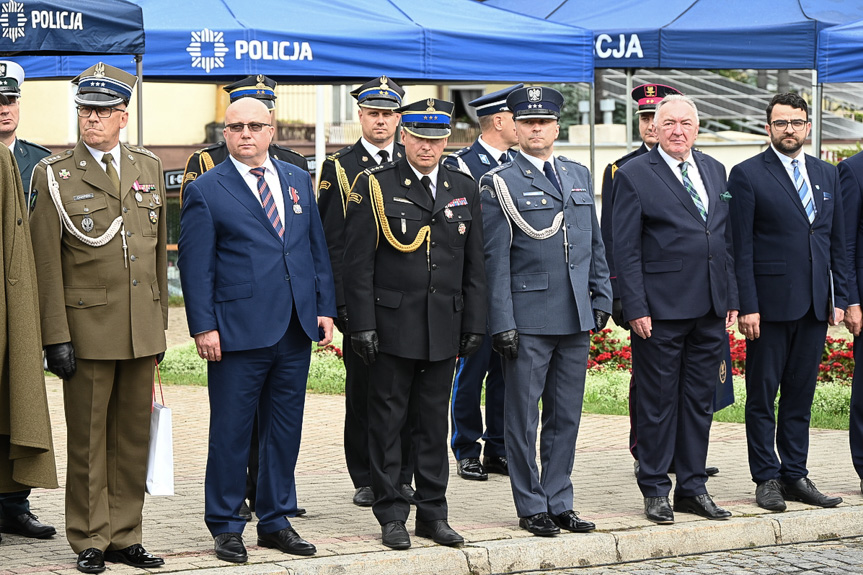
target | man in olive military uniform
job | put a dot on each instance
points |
(15, 515)
(377, 101)
(261, 88)
(99, 240)
(416, 299)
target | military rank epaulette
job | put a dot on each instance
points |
(457, 170)
(141, 150)
(52, 159)
(496, 169)
(43, 148)
(379, 168)
(461, 152)
(287, 149)
(565, 159)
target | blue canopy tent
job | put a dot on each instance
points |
(840, 53)
(760, 34)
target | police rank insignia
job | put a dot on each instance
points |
(87, 224)
(64, 174)
(462, 228)
(153, 218)
(484, 159)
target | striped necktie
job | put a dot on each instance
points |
(687, 183)
(268, 201)
(804, 192)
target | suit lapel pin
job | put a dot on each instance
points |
(365, 158)
(407, 182)
(399, 154)
(130, 157)
(446, 184)
(528, 172)
(817, 187)
(83, 163)
(563, 168)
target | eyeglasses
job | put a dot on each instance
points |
(85, 111)
(253, 127)
(783, 124)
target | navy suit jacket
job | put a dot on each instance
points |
(238, 276)
(784, 262)
(671, 264)
(851, 184)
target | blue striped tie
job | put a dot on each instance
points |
(687, 183)
(804, 192)
(268, 202)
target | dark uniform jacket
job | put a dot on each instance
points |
(28, 154)
(205, 159)
(337, 176)
(420, 302)
(109, 302)
(474, 160)
(607, 205)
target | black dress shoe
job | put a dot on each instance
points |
(471, 468)
(245, 511)
(702, 505)
(287, 541)
(229, 547)
(364, 496)
(804, 490)
(495, 465)
(91, 560)
(301, 511)
(658, 510)
(407, 492)
(27, 525)
(539, 524)
(439, 531)
(768, 495)
(570, 521)
(134, 555)
(710, 471)
(395, 536)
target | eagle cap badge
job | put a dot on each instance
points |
(534, 94)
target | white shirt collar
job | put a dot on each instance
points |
(493, 152)
(432, 176)
(674, 163)
(539, 163)
(786, 160)
(245, 168)
(97, 155)
(373, 150)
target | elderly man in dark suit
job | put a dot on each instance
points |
(672, 248)
(791, 270)
(851, 183)
(259, 288)
(548, 287)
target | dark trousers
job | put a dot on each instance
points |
(107, 405)
(785, 359)
(855, 424)
(414, 393)
(465, 412)
(550, 368)
(356, 435)
(676, 381)
(14, 503)
(271, 380)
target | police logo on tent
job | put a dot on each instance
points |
(534, 94)
(207, 49)
(12, 20)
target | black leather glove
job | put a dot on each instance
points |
(470, 343)
(600, 318)
(159, 357)
(342, 320)
(617, 314)
(60, 358)
(365, 344)
(506, 343)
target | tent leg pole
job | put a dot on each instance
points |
(139, 69)
(592, 128)
(628, 110)
(817, 96)
(320, 137)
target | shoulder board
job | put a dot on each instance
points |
(565, 159)
(141, 150)
(52, 159)
(626, 158)
(456, 169)
(32, 145)
(211, 147)
(463, 151)
(499, 168)
(380, 167)
(286, 149)
(336, 155)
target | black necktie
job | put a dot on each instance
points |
(549, 173)
(504, 158)
(384, 155)
(426, 182)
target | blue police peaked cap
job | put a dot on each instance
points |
(428, 118)
(535, 102)
(492, 103)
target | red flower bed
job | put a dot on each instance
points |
(329, 348)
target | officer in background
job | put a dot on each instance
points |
(416, 298)
(377, 101)
(261, 88)
(491, 149)
(15, 515)
(27, 154)
(99, 240)
(547, 288)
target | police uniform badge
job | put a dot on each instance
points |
(534, 95)
(484, 159)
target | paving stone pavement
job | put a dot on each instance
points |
(348, 537)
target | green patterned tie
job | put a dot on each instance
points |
(687, 183)
(108, 159)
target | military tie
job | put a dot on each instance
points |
(426, 182)
(384, 156)
(552, 177)
(268, 201)
(804, 192)
(108, 159)
(687, 183)
(504, 158)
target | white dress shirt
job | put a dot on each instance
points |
(691, 171)
(272, 179)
